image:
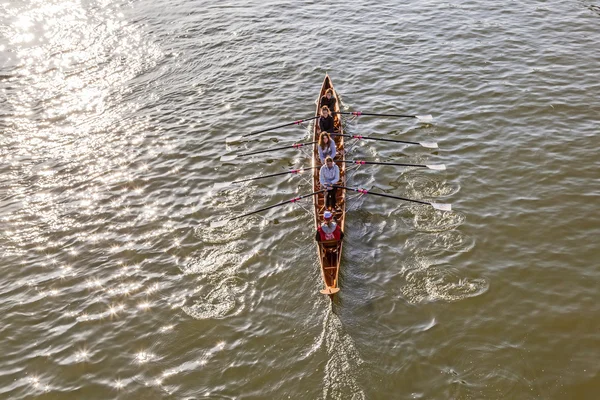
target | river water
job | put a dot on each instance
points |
(114, 116)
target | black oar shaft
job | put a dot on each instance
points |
(295, 199)
(293, 171)
(360, 137)
(357, 113)
(365, 191)
(362, 162)
(298, 122)
(295, 145)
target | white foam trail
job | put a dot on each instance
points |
(343, 364)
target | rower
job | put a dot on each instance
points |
(329, 175)
(326, 123)
(329, 229)
(328, 100)
(326, 147)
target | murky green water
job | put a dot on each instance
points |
(114, 116)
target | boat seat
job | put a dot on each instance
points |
(330, 245)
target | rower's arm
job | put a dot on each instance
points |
(322, 178)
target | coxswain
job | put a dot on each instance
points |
(329, 229)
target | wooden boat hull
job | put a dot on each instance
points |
(329, 253)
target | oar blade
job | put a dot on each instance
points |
(221, 185)
(424, 118)
(437, 167)
(234, 139)
(429, 145)
(229, 157)
(442, 206)
(218, 224)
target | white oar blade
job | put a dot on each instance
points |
(218, 224)
(221, 185)
(439, 167)
(424, 118)
(234, 139)
(429, 145)
(230, 157)
(442, 206)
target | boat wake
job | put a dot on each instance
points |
(343, 362)
(216, 300)
(425, 185)
(452, 241)
(220, 291)
(426, 282)
(424, 219)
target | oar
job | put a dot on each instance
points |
(429, 145)
(295, 146)
(298, 122)
(220, 185)
(295, 199)
(235, 139)
(438, 167)
(421, 118)
(437, 206)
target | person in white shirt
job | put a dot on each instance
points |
(329, 175)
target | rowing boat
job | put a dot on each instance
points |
(329, 252)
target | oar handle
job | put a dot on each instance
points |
(297, 122)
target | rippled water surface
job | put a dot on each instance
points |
(114, 116)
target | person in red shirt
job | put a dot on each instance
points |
(329, 229)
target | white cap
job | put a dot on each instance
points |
(327, 214)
